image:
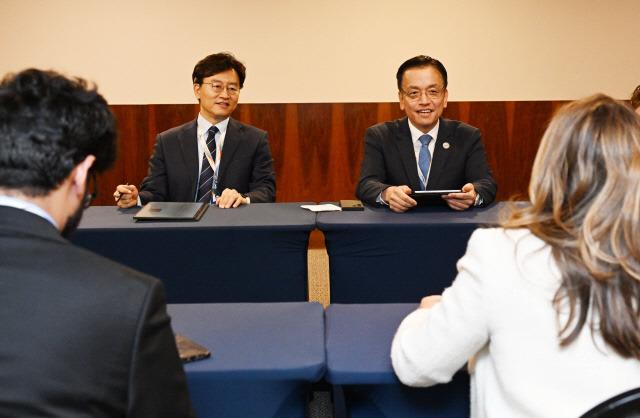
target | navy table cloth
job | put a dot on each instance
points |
(264, 356)
(254, 253)
(379, 256)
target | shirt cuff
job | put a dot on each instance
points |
(380, 201)
(479, 201)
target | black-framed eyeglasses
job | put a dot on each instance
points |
(219, 88)
(415, 94)
(90, 196)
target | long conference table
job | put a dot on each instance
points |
(264, 356)
(358, 345)
(254, 253)
(258, 252)
(379, 256)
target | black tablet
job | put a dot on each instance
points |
(171, 211)
(431, 197)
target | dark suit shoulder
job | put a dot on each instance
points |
(177, 129)
(114, 273)
(389, 126)
(83, 268)
(455, 127)
(248, 129)
(389, 129)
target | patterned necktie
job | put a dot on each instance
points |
(424, 159)
(206, 173)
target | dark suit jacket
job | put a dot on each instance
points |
(80, 335)
(389, 160)
(246, 165)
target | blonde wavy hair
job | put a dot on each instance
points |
(635, 98)
(585, 203)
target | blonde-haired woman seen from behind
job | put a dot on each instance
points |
(548, 305)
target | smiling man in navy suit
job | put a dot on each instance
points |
(424, 151)
(214, 158)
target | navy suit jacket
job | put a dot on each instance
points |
(80, 335)
(246, 165)
(389, 160)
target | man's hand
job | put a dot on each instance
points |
(398, 198)
(461, 201)
(126, 195)
(429, 301)
(230, 198)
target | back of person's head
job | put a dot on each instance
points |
(585, 203)
(217, 63)
(48, 125)
(419, 62)
(635, 98)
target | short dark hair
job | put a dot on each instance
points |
(635, 98)
(421, 61)
(48, 125)
(217, 63)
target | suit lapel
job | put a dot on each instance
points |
(440, 154)
(232, 140)
(407, 153)
(188, 139)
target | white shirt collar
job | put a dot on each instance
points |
(204, 125)
(26, 206)
(417, 133)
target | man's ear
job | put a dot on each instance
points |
(80, 174)
(400, 100)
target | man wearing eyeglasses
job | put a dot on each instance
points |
(80, 335)
(214, 158)
(424, 151)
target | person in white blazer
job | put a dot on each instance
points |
(545, 308)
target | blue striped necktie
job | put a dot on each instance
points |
(206, 172)
(424, 159)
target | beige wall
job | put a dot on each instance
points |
(143, 51)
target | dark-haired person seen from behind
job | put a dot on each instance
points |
(214, 158)
(80, 336)
(546, 309)
(424, 150)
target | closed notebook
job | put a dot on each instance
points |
(171, 211)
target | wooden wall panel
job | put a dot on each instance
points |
(317, 147)
(133, 156)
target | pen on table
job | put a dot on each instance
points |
(121, 194)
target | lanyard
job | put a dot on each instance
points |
(214, 164)
(423, 179)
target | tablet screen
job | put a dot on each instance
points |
(431, 197)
